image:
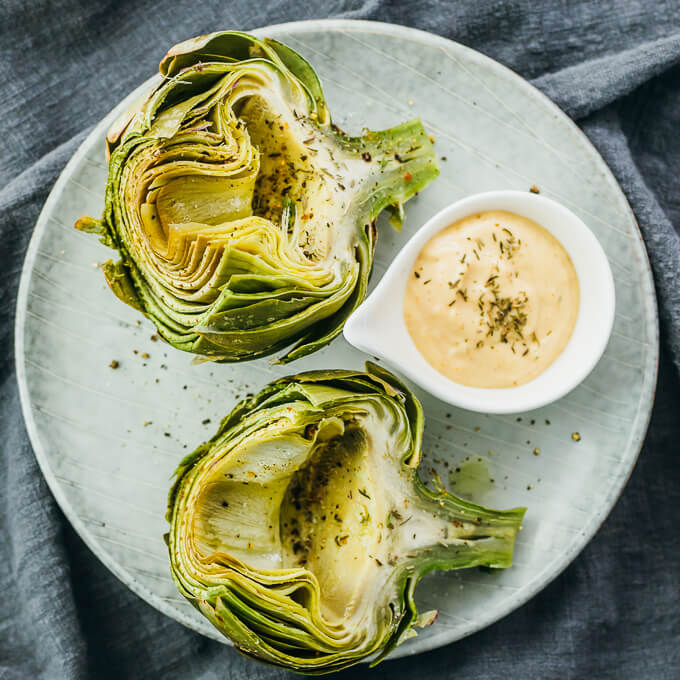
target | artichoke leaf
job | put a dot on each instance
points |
(301, 529)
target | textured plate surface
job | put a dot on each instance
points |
(108, 440)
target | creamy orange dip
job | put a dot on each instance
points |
(492, 300)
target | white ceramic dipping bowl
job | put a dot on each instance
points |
(377, 327)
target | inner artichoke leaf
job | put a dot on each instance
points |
(204, 200)
(231, 168)
(302, 527)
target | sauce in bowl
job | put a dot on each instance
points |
(492, 300)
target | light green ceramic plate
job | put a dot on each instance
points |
(109, 440)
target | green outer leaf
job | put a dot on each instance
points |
(222, 46)
(304, 72)
(119, 280)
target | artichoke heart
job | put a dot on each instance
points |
(301, 529)
(244, 219)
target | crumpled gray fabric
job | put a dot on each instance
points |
(614, 67)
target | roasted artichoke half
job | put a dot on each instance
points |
(244, 219)
(301, 529)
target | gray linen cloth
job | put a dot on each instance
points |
(614, 67)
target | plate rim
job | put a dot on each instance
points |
(636, 439)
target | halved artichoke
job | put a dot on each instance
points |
(245, 221)
(301, 529)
